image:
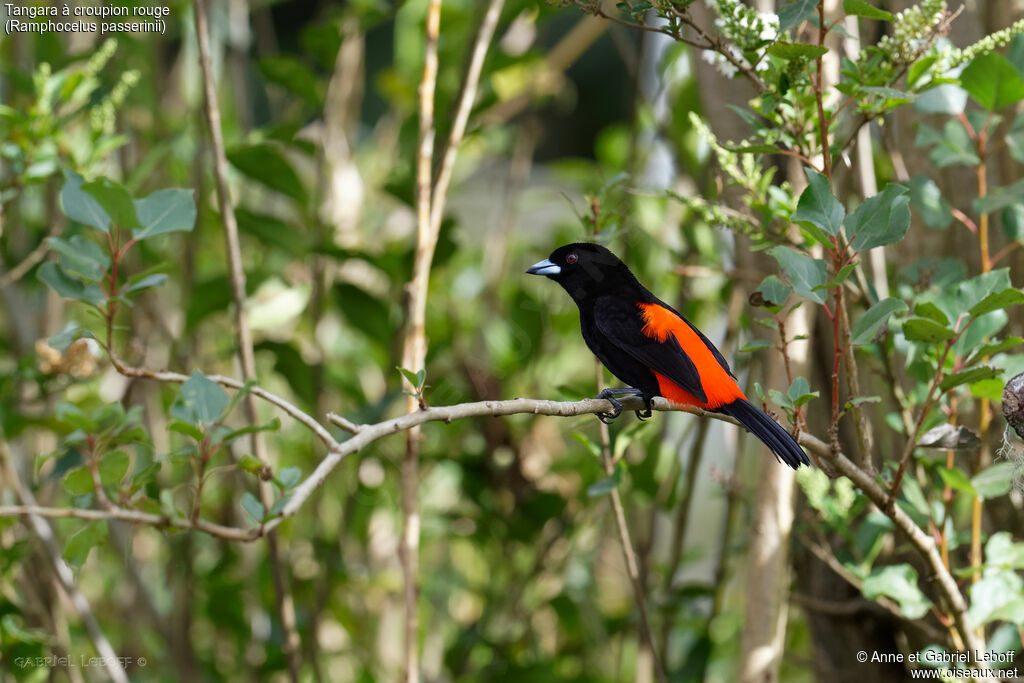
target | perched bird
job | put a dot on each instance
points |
(651, 347)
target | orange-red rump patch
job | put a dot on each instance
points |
(718, 385)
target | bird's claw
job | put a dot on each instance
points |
(610, 394)
(616, 409)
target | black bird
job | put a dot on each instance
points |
(651, 347)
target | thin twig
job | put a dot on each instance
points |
(628, 553)
(31, 259)
(466, 100)
(286, 610)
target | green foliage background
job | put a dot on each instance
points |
(105, 162)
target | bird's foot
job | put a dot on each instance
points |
(646, 412)
(610, 394)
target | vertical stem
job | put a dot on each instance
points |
(823, 122)
(414, 348)
(632, 568)
(285, 606)
(985, 414)
(430, 198)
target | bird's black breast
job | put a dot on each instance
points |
(620, 363)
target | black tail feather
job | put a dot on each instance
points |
(768, 430)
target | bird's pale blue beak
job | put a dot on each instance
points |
(545, 267)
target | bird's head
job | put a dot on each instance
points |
(584, 270)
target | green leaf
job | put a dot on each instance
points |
(78, 481)
(996, 596)
(230, 435)
(989, 349)
(265, 164)
(880, 220)
(250, 464)
(756, 345)
(795, 12)
(154, 280)
(818, 206)
(969, 376)
(68, 335)
(804, 273)
(926, 330)
(994, 481)
(927, 309)
(164, 211)
(252, 506)
(364, 311)
(200, 400)
(80, 257)
(992, 81)
(1001, 550)
(1000, 198)
(606, 485)
(858, 400)
(113, 468)
(952, 146)
(927, 200)
(115, 200)
(294, 76)
(71, 414)
(997, 300)
(272, 231)
(81, 206)
(919, 69)
(588, 443)
(860, 8)
(947, 98)
(78, 546)
(955, 479)
(796, 51)
(892, 96)
(753, 149)
(799, 392)
(410, 376)
(898, 582)
(867, 326)
(289, 477)
(186, 428)
(1012, 219)
(971, 292)
(278, 506)
(1015, 137)
(774, 291)
(167, 506)
(145, 475)
(69, 288)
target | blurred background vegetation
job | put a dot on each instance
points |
(582, 128)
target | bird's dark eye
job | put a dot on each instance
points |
(571, 259)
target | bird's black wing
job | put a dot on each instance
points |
(622, 325)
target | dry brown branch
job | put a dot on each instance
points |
(286, 608)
